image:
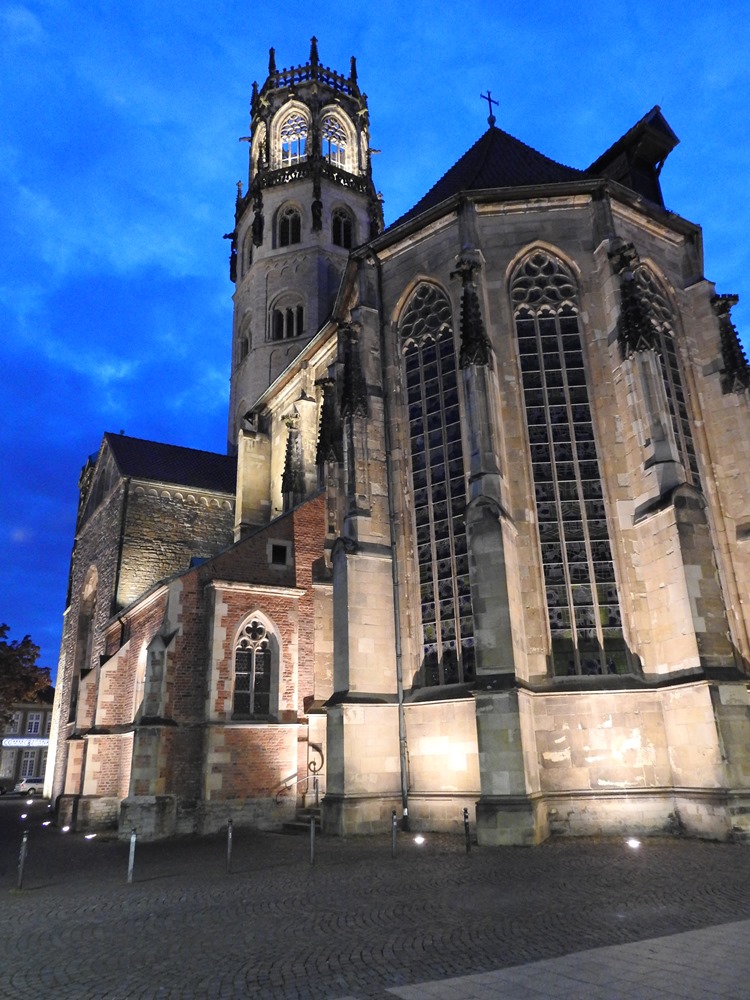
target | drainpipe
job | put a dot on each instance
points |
(403, 754)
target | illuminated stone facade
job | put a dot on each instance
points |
(491, 521)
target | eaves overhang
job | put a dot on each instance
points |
(597, 188)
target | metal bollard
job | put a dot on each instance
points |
(229, 846)
(22, 858)
(394, 831)
(467, 831)
(131, 858)
(312, 840)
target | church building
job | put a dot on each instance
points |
(481, 538)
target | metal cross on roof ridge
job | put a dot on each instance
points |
(490, 101)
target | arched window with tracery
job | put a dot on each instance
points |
(293, 138)
(342, 228)
(333, 135)
(581, 591)
(289, 226)
(438, 486)
(255, 671)
(659, 310)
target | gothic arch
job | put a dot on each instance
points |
(290, 135)
(256, 664)
(437, 480)
(343, 226)
(338, 139)
(428, 287)
(287, 225)
(244, 339)
(659, 306)
(582, 598)
(543, 247)
(259, 149)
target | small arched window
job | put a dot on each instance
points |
(290, 226)
(255, 685)
(287, 319)
(342, 228)
(333, 135)
(293, 134)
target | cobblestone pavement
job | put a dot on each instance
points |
(432, 922)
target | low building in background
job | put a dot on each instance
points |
(25, 739)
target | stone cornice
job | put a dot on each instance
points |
(268, 589)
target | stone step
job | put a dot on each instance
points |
(301, 823)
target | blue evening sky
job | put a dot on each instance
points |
(119, 157)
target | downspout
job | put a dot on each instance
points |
(403, 753)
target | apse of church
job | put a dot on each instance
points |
(481, 537)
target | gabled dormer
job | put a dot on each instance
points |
(636, 159)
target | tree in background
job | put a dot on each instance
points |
(20, 678)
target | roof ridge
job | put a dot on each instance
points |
(113, 435)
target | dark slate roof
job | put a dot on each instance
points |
(169, 463)
(496, 160)
(651, 133)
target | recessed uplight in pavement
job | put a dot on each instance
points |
(633, 843)
(90, 836)
(419, 840)
(65, 829)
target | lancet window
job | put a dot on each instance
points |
(661, 315)
(290, 226)
(438, 487)
(253, 671)
(342, 228)
(581, 590)
(293, 134)
(333, 136)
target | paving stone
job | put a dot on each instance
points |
(567, 919)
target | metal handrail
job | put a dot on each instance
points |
(290, 782)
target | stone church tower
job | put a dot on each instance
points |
(482, 537)
(310, 199)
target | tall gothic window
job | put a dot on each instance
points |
(652, 292)
(341, 228)
(438, 487)
(293, 134)
(290, 226)
(253, 671)
(334, 141)
(582, 598)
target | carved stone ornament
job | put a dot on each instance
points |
(345, 543)
(354, 395)
(293, 476)
(330, 444)
(475, 346)
(636, 332)
(736, 374)
(257, 226)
